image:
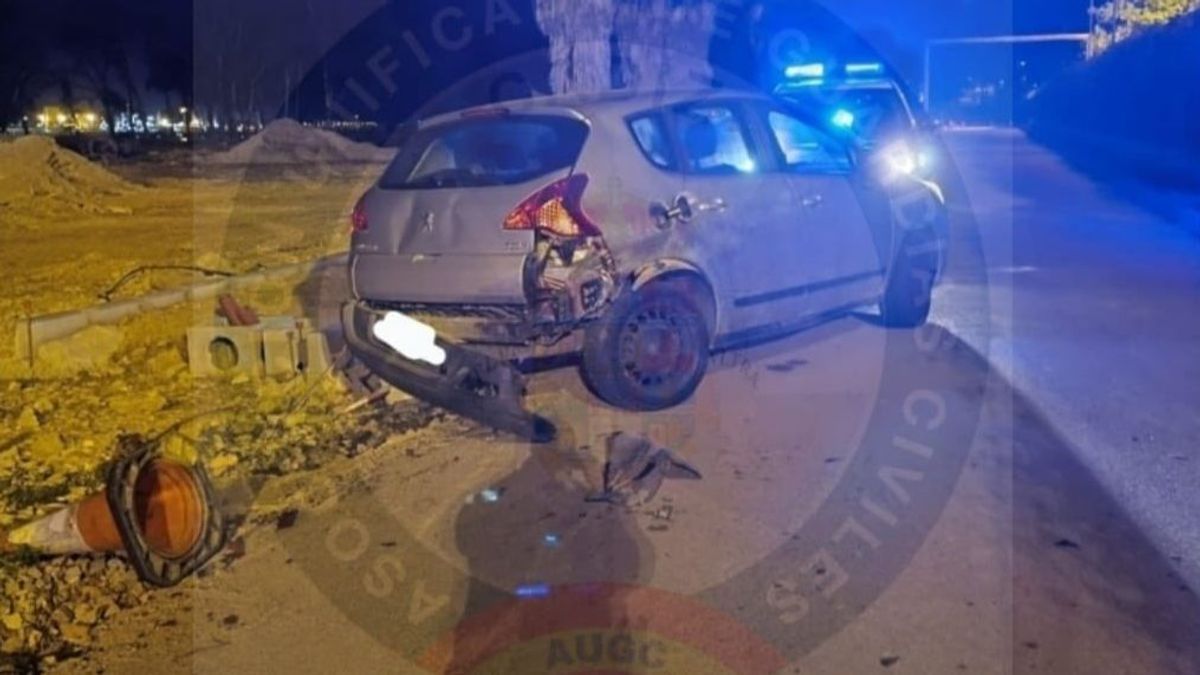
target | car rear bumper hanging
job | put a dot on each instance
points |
(468, 383)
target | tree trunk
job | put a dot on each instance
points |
(664, 44)
(660, 43)
(580, 50)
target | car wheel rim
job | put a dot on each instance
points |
(657, 351)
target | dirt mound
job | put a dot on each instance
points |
(286, 141)
(36, 175)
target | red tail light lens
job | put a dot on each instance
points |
(358, 217)
(556, 208)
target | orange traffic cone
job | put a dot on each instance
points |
(167, 522)
(169, 514)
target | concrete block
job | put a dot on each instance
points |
(316, 354)
(225, 350)
(207, 290)
(282, 323)
(281, 351)
(35, 331)
(163, 299)
(54, 327)
(89, 348)
(110, 313)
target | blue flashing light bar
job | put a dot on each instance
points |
(864, 68)
(805, 70)
(843, 118)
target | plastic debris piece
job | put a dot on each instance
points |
(636, 469)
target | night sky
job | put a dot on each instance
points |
(915, 20)
(291, 42)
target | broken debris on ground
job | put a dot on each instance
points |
(636, 468)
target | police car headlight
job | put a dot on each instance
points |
(900, 159)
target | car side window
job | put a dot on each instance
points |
(714, 140)
(802, 148)
(651, 135)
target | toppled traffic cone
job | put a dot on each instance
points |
(158, 512)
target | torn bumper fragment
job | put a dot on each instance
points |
(465, 381)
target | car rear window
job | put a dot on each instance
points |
(483, 152)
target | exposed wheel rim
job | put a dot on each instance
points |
(657, 349)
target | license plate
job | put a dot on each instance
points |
(410, 338)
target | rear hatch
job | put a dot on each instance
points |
(434, 224)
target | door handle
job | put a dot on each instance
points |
(717, 204)
(812, 201)
(683, 209)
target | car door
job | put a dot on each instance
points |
(736, 206)
(832, 255)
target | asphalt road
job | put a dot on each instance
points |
(871, 501)
(1102, 331)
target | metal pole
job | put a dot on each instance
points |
(1090, 49)
(925, 87)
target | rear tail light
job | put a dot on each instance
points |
(358, 217)
(556, 208)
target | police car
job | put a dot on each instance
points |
(861, 102)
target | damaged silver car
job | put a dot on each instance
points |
(640, 231)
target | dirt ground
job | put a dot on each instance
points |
(223, 219)
(69, 231)
(1028, 569)
(395, 538)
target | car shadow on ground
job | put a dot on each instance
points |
(542, 560)
(1074, 549)
(1081, 568)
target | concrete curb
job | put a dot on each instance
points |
(35, 331)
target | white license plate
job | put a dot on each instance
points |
(410, 338)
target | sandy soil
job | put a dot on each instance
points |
(68, 231)
(224, 221)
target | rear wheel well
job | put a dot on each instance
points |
(692, 285)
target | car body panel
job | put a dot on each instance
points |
(771, 260)
(446, 221)
(435, 278)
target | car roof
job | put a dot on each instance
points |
(618, 102)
